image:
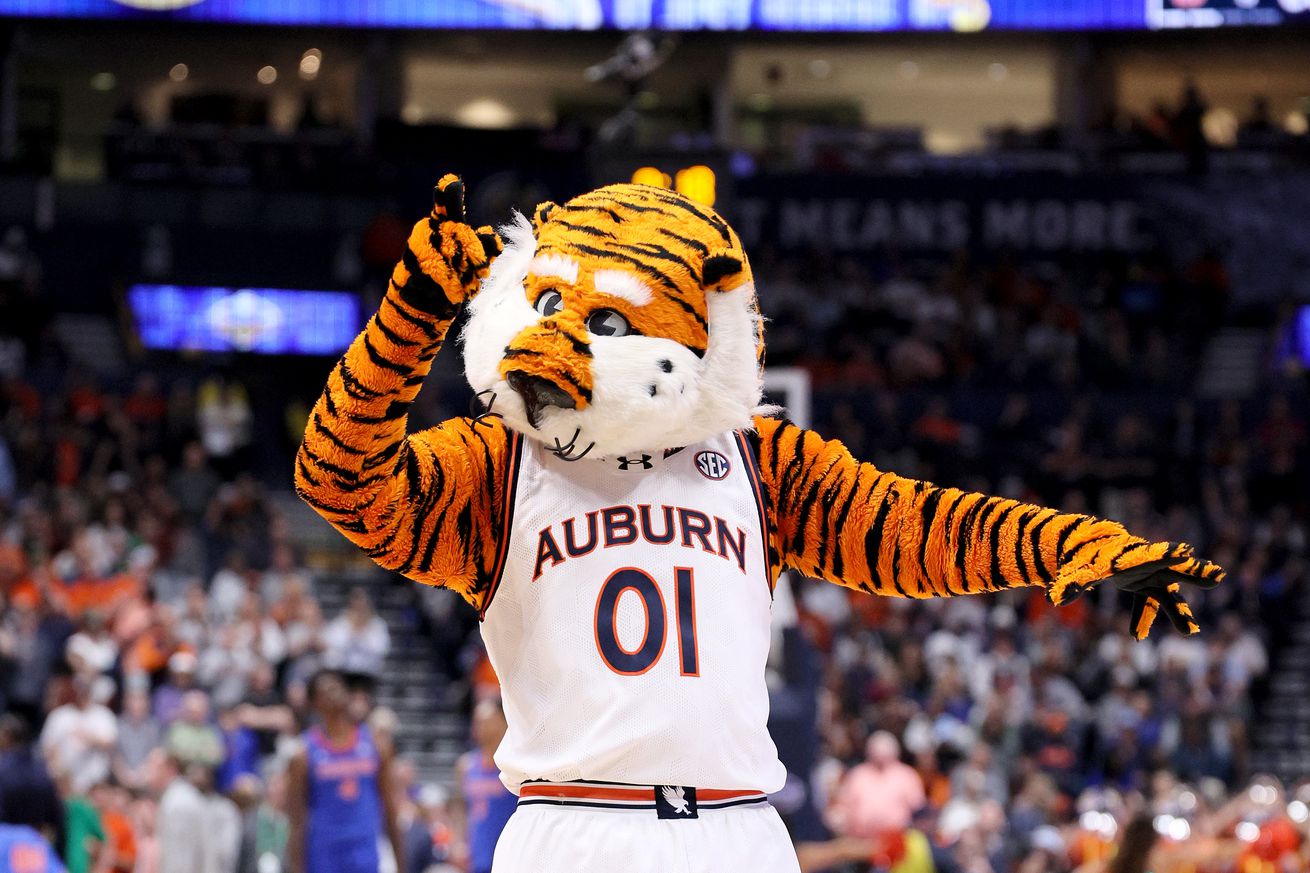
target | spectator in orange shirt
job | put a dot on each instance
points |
(22, 396)
(86, 403)
(112, 802)
(79, 583)
(483, 677)
(147, 408)
(13, 567)
(151, 651)
(67, 456)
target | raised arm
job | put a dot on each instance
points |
(838, 519)
(422, 505)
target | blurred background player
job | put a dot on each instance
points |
(485, 802)
(23, 850)
(27, 794)
(341, 801)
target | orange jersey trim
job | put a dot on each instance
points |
(510, 490)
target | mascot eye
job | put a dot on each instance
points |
(607, 322)
(549, 303)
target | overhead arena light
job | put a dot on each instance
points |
(310, 63)
(485, 113)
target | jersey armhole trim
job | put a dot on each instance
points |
(751, 464)
(507, 517)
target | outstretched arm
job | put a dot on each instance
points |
(422, 505)
(850, 523)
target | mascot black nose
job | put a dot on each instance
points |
(538, 394)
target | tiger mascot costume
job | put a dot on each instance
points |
(620, 512)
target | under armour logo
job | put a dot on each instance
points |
(626, 462)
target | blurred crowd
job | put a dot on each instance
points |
(157, 626)
(157, 622)
(1001, 734)
(1189, 125)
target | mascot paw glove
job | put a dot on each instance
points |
(1153, 573)
(448, 252)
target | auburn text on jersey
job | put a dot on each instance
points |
(616, 526)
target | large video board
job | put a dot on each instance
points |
(767, 15)
(268, 321)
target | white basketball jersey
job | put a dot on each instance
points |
(629, 625)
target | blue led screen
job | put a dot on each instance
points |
(270, 321)
(770, 15)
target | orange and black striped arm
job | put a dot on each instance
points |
(835, 518)
(425, 505)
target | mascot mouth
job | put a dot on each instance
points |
(539, 394)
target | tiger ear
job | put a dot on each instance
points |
(725, 270)
(541, 214)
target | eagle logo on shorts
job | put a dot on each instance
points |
(675, 797)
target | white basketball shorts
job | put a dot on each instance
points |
(592, 828)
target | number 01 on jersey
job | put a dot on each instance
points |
(636, 661)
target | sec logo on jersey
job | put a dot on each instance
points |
(712, 465)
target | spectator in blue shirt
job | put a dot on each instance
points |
(242, 747)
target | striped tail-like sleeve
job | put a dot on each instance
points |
(835, 518)
(424, 505)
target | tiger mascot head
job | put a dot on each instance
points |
(624, 320)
